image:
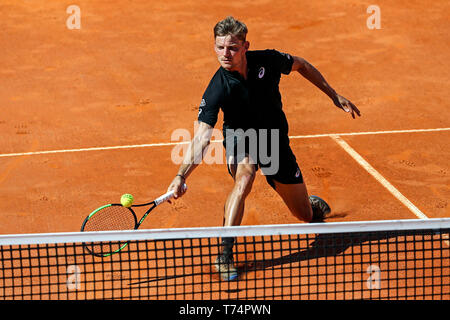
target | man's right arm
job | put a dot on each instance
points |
(209, 108)
(192, 158)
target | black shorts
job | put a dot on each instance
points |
(268, 150)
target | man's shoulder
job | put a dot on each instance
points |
(224, 80)
(266, 56)
(217, 79)
(217, 86)
(219, 76)
(270, 57)
(266, 53)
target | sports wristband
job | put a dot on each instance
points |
(179, 175)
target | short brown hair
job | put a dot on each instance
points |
(230, 26)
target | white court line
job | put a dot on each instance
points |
(369, 133)
(94, 149)
(371, 170)
(213, 141)
(355, 155)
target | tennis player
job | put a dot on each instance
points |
(246, 89)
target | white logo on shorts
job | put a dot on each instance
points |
(297, 174)
(261, 72)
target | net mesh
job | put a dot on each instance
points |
(293, 262)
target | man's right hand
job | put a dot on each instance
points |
(178, 185)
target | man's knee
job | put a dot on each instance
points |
(243, 181)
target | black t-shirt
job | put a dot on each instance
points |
(252, 103)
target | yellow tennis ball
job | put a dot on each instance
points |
(127, 200)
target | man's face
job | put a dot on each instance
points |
(230, 52)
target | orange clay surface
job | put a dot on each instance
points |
(136, 71)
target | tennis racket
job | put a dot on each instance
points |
(116, 217)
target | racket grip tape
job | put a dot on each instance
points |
(167, 196)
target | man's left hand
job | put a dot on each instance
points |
(346, 105)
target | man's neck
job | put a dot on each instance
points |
(242, 69)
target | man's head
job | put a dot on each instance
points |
(230, 43)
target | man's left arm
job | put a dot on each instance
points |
(314, 76)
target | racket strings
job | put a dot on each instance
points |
(109, 218)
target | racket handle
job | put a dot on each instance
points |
(167, 196)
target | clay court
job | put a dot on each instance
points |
(88, 114)
(135, 71)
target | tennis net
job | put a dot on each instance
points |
(398, 259)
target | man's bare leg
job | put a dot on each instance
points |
(303, 207)
(243, 174)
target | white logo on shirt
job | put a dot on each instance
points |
(287, 55)
(261, 72)
(202, 104)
